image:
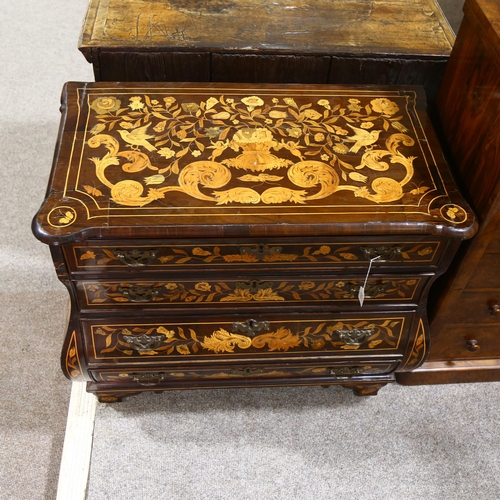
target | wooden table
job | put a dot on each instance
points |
(321, 41)
(247, 235)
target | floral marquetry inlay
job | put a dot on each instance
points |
(181, 153)
(161, 294)
(113, 341)
(157, 155)
(277, 150)
(189, 255)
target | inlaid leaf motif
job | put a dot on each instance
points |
(348, 256)
(281, 340)
(109, 338)
(223, 341)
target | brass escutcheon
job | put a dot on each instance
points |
(250, 327)
(260, 251)
(135, 257)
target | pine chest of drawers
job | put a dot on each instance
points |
(235, 235)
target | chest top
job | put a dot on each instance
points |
(415, 27)
(181, 160)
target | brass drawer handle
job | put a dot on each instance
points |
(143, 343)
(346, 371)
(246, 371)
(250, 327)
(381, 253)
(135, 257)
(356, 336)
(473, 345)
(137, 293)
(260, 251)
(253, 286)
(149, 379)
(371, 291)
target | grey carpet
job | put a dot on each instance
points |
(411, 443)
(38, 54)
(440, 432)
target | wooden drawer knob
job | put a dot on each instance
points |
(494, 309)
(473, 345)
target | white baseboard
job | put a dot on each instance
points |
(77, 450)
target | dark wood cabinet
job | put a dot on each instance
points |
(465, 330)
(321, 41)
(217, 235)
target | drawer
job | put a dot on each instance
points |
(289, 255)
(478, 308)
(228, 292)
(466, 342)
(247, 338)
(206, 377)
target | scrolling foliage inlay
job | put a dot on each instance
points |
(100, 293)
(111, 340)
(250, 149)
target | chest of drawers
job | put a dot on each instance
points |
(218, 235)
(343, 42)
(465, 329)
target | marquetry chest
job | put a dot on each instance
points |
(217, 235)
(317, 41)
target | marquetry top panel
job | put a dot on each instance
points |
(204, 157)
(415, 27)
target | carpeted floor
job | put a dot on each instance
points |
(39, 53)
(411, 443)
(424, 442)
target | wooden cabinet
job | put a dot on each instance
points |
(345, 42)
(465, 330)
(216, 235)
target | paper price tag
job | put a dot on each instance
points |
(361, 293)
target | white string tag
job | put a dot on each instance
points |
(361, 293)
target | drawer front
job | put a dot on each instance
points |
(290, 256)
(274, 290)
(151, 378)
(466, 342)
(261, 338)
(478, 308)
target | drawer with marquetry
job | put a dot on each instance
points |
(364, 378)
(220, 256)
(335, 336)
(189, 375)
(200, 294)
(240, 375)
